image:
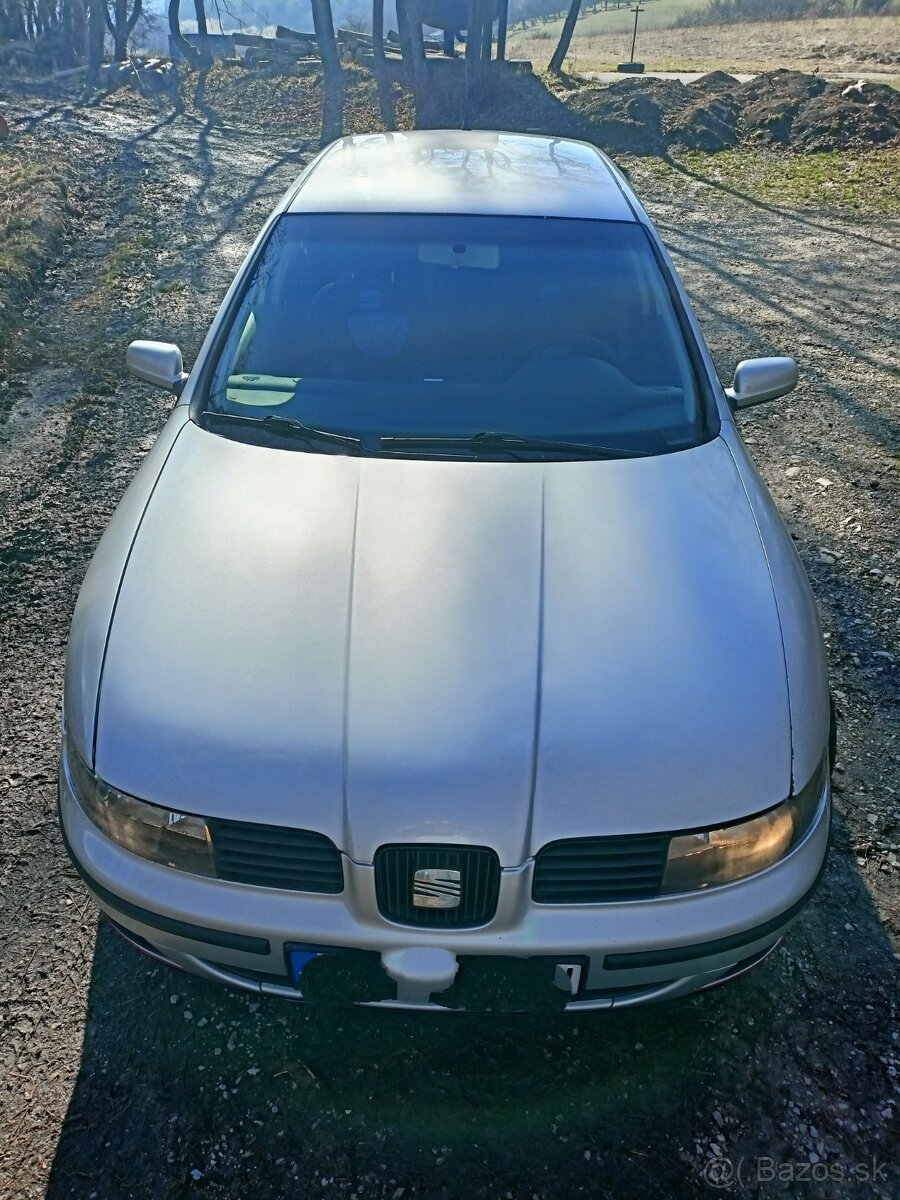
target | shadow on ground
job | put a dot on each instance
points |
(263, 1098)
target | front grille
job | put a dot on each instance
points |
(275, 856)
(594, 870)
(479, 884)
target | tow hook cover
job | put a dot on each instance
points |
(419, 971)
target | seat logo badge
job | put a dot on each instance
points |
(437, 888)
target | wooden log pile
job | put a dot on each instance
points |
(146, 75)
(291, 48)
(286, 50)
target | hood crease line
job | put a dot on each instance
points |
(539, 678)
(345, 726)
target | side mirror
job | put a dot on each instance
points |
(759, 379)
(159, 363)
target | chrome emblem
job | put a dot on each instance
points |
(437, 887)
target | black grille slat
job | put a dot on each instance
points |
(275, 856)
(296, 882)
(275, 835)
(479, 870)
(598, 870)
(627, 873)
(274, 853)
(572, 861)
(590, 883)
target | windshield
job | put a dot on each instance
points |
(480, 336)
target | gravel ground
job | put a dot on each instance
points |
(120, 1079)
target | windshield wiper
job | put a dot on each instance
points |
(287, 427)
(512, 443)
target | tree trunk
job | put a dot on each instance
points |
(385, 101)
(413, 45)
(120, 26)
(202, 34)
(475, 61)
(404, 32)
(74, 21)
(116, 23)
(96, 34)
(565, 37)
(187, 50)
(333, 76)
(487, 33)
(133, 19)
(502, 23)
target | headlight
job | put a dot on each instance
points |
(172, 838)
(712, 856)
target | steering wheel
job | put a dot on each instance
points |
(582, 345)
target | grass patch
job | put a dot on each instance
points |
(34, 217)
(115, 310)
(867, 182)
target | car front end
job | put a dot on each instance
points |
(182, 904)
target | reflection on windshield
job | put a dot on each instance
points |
(437, 327)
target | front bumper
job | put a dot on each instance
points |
(626, 953)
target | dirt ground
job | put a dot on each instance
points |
(834, 45)
(121, 1079)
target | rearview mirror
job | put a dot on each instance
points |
(759, 379)
(159, 363)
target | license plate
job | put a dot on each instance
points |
(333, 975)
(298, 959)
(509, 985)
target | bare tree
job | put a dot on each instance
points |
(188, 52)
(333, 76)
(96, 22)
(202, 34)
(385, 101)
(562, 49)
(121, 24)
(412, 44)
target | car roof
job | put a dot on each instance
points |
(463, 171)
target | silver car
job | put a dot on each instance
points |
(447, 650)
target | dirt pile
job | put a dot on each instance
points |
(779, 108)
(848, 118)
(628, 115)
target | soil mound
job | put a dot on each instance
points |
(628, 115)
(769, 103)
(715, 81)
(779, 108)
(848, 118)
(710, 123)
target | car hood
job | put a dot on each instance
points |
(492, 653)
